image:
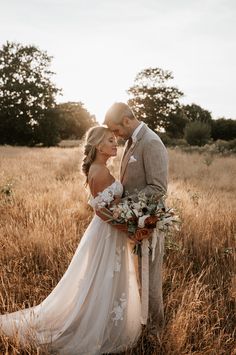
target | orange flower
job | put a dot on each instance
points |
(150, 222)
(143, 233)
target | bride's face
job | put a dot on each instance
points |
(109, 145)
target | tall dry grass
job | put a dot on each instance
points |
(43, 215)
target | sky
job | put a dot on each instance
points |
(98, 47)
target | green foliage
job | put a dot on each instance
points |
(176, 123)
(74, 120)
(6, 194)
(222, 146)
(48, 131)
(184, 114)
(172, 142)
(65, 121)
(6, 190)
(26, 92)
(195, 112)
(224, 129)
(208, 158)
(152, 100)
(197, 133)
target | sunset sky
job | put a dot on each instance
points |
(99, 46)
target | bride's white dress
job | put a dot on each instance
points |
(95, 308)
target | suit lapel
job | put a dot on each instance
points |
(125, 159)
(122, 156)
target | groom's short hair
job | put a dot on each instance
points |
(117, 112)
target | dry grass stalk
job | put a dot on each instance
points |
(43, 215)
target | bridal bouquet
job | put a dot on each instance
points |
(145, 213)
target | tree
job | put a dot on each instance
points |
(184, 114)
(69, 120)
(74, 120)
(48, 131)
(197, 133)
(195, 112)
(26, 92)
(152, 100)
(224, 129)
(176, 123)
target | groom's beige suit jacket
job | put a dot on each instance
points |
(144, 167)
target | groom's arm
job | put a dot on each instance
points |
(155, 160)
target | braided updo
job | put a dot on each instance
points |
(94, 137)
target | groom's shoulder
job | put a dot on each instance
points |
(150, 135)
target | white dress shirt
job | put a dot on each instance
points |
(137, 129)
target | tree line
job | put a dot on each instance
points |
(29, 114)
(157, 103)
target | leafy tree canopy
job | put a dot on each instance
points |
(195, 112)
(74, 120)
(197, 133)
(224, 129)
(152, 99)
(26, 92)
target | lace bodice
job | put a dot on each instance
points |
(106, 196)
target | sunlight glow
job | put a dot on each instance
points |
(99, 47)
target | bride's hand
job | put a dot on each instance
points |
(116, 200)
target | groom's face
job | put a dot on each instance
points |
(120, 130)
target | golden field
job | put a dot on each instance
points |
(44, 212)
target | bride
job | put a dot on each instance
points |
(95, 307)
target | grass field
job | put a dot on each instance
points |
(44, 212)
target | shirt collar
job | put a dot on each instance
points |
(136, 131)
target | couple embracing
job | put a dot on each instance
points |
(96, 307)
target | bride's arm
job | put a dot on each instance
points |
(106, 216)
(101, 180)
(141, 233)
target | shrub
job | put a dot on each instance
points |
(171, 142)
(197, 133)
(225, 146)
(224, 129)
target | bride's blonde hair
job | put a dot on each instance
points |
(94, 137)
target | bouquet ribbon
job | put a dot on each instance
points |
(145, 281)
(145, 270)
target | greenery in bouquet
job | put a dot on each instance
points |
(143, 212)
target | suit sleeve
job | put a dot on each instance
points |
(155, 160)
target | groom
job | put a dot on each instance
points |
(144, 166)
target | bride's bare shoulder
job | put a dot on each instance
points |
(99, 178)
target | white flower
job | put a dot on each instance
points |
(136, 205)
(141, 220)
(136, 212)
(129, 215)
